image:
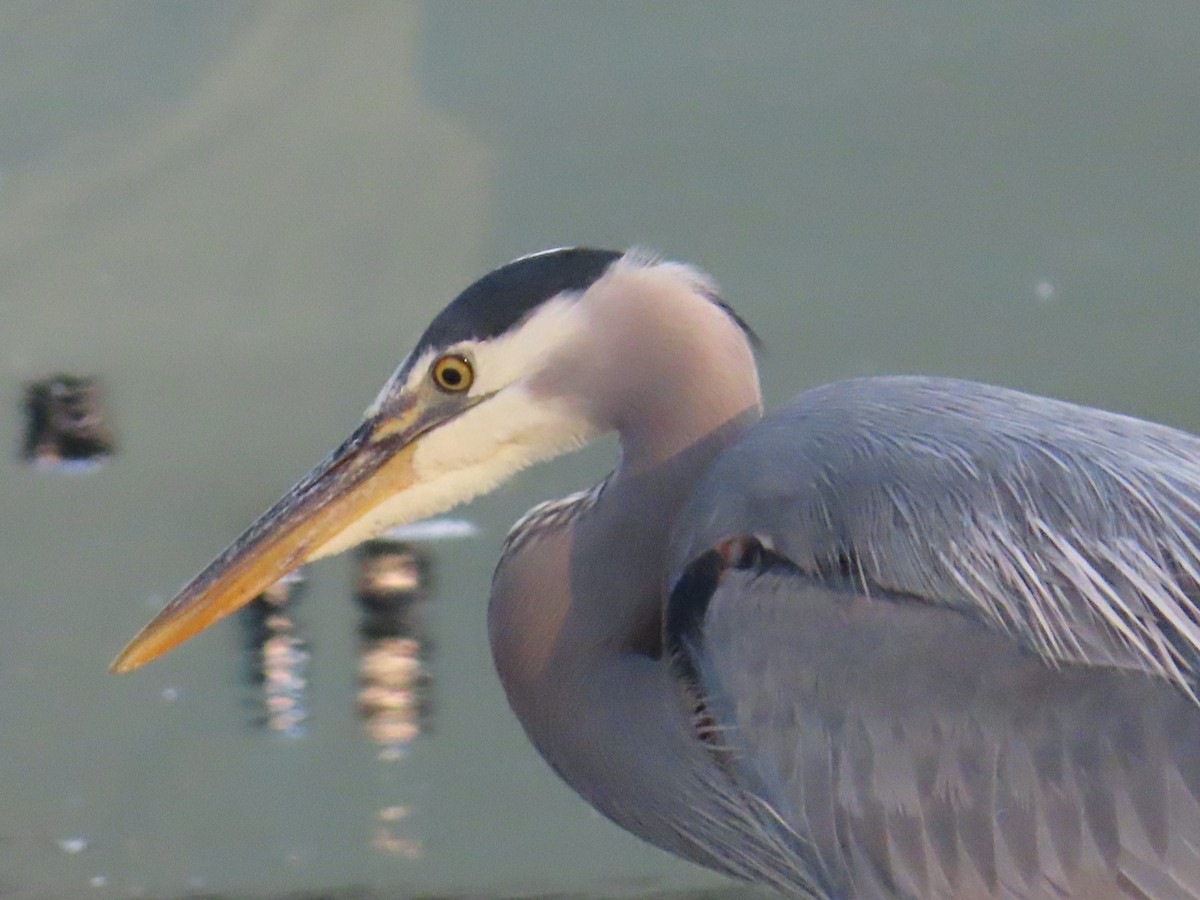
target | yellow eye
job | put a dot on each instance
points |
(452, 374)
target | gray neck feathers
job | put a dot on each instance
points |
(575, 626)
(662, 364)
(576, 610)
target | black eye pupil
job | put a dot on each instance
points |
(452, 373)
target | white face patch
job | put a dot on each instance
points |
(553, 327)
(472, 454)
(484, 446)
(513, 425)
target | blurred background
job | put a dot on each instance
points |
(238, 217)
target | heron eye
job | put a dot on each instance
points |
(452, 374)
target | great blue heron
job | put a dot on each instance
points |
(902, 637)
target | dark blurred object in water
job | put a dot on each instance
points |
(394, 684)
(279, 657)
(65, 423)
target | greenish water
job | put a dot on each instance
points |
(240, 217)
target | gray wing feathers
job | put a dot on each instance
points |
(1074, 531)
(920, 754)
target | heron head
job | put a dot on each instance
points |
(531, 361)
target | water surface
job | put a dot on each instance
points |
(240, 217)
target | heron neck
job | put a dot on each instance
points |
(662, 365)
(576, 628)
(591, 584)
(673, 418)
(576, 612)
(621, 548)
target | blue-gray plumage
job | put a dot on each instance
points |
(957, 650)
(899, 638)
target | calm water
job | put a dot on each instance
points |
(241, 216)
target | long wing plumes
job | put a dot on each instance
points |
(1074, 530)
(915, 754)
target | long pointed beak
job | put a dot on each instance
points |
(372, 466)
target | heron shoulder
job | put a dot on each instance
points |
(1073, 530)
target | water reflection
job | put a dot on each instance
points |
(394, 685)
(394, 695)
(65, 423)
(279, 658)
